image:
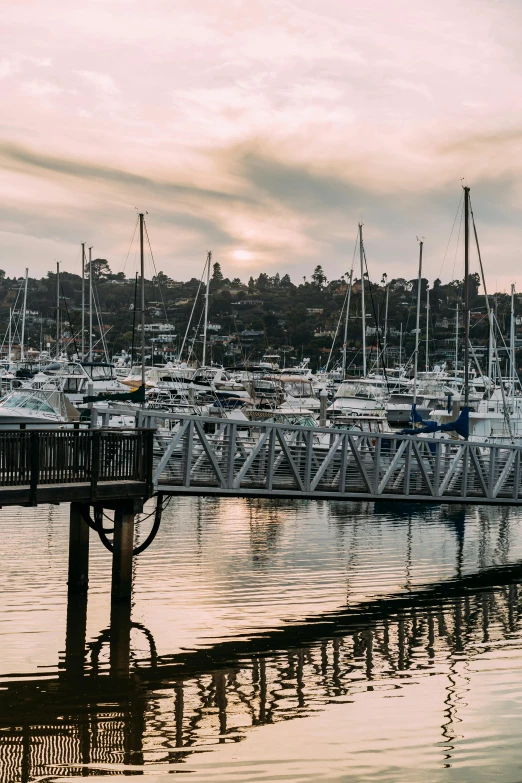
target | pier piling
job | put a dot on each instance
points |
(120, 638)
(122, 552)
(78, 580)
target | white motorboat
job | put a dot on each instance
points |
(37, 408)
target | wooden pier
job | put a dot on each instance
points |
(92, 469)
(53, 466)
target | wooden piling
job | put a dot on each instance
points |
(120, 638)
(76, 634)
(78, 580)
(122, 552)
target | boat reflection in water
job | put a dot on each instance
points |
(109, 710)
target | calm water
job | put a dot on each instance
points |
(301, 641)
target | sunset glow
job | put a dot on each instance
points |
(281, 121)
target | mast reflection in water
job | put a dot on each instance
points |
(251, 613)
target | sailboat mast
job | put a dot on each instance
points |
(346, 323)
(385, 346)
(456, 340)
(83, 301)
(142, 272)
(22, 351)
(512, 348)
(417, 326)
(466, 296)
(10, 336)
(361, 256)
(209, 259)
(57, 309)
(90, 304)
(400, 347)
(490, 355)
(427, 328)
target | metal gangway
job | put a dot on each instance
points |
(211, 456)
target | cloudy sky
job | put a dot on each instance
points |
(262, 130)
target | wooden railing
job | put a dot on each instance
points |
(47, 457)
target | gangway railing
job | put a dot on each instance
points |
(205, 455)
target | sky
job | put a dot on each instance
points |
(263, 130)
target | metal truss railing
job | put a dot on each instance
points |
(202, 455)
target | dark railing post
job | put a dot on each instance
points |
(95, 462)
(35, 467)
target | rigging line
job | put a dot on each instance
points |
(502, 390)
(131, 243)
(196, 333)
(13, 310)
(134, 322)
(451, 234)
(378, 348)
(69, 319)
(97, 307)
(120, 331)
(457, 247)
(156, 271)
(192, 311)
(344, 304)
(337, 330)
(506, 348)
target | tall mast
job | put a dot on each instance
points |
(10, 336)
(417, 326)
(90, 304)
(361, 255)
(57, 309)
(466, 296)
(142, 271)
(83, 301)
(346, 323)
(209, 259)
(427, 328)
(384, 348)
(512, 374)
(400, 347)
(134, 321)
(490, 355)
(22, 351)
(456, 340)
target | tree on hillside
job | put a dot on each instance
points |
(100, 268)
(474, 285)
(319, 277)
(217, 274)
(262, 282)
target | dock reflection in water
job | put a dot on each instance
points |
(369, 602)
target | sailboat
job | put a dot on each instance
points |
(495, 418)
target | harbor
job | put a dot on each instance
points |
(353, 533)
(260, 392)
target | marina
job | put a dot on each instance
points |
(402, 489)
(261, 392)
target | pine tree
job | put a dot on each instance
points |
(217, 274)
